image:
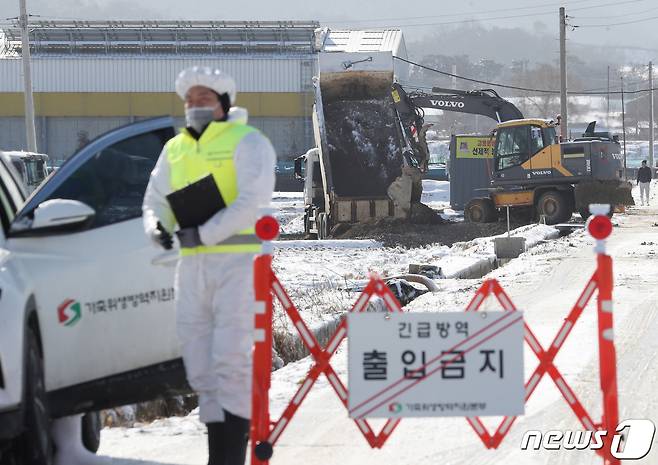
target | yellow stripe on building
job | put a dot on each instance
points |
(259, 104)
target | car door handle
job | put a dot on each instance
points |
(166, 259)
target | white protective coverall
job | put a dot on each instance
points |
(215, 292)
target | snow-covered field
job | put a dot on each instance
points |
(289, 211)
(544, 282)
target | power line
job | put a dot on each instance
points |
(465, 13)
(471, 20)
(619, 24)
(617, 16)
(618, 83)
(506, 86)
(618, 47)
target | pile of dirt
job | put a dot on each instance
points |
(400, 233)
(610, 192)
(364, 146)
(422, 214)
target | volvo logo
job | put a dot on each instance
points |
(447, 104)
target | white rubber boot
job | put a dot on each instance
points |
(67, 435)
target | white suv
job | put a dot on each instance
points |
(86, 301)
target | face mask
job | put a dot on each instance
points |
(199, 117)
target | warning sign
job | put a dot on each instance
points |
(435, 364)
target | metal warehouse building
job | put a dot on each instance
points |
(89, 76)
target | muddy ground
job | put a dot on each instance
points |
(399, 233)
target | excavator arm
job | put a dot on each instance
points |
(410, 108)
(478, 102)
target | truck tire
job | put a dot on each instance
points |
(307, 227)
(37, 444)
(91, 431)
(322, 226)
(480, 211)
(555, 207)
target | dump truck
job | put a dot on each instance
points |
(363, 166)
(532, 170)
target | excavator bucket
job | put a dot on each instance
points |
(613, 192)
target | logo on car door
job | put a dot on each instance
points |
(69, 312)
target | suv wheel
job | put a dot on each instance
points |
(91, 431)
(37, 441)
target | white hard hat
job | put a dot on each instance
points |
(205, 76)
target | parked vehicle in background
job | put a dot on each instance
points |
(33, 168)
(437, 172)
(438, 167)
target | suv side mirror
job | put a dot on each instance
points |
(54, 216)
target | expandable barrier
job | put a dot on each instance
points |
(265, 432)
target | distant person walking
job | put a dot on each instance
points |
(644, 176)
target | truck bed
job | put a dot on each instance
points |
(364, 146)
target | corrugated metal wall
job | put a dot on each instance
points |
(60, 137)
(12, 134)
(146, 74)
(470, 177)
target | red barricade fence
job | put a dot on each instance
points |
(265, 432)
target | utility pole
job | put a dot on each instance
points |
(623, 122)
(563, 75)
(607, 115)
(30, 130)
(651, 163)
(454, 77)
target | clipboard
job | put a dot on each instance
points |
(196, 203)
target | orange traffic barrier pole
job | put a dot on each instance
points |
(267, 229)
(600, 227)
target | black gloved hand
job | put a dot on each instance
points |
(162, 238)
(189, 237)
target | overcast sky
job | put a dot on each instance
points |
(416, 18)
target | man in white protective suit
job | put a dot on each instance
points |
(214, 277)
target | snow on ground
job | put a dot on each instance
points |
(323, 276)
(436, 195)
(289, 211)
(544, 282)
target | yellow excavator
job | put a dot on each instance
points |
(532, 169)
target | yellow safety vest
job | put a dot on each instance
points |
(191, 160)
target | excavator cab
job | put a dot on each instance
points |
(524, 150)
